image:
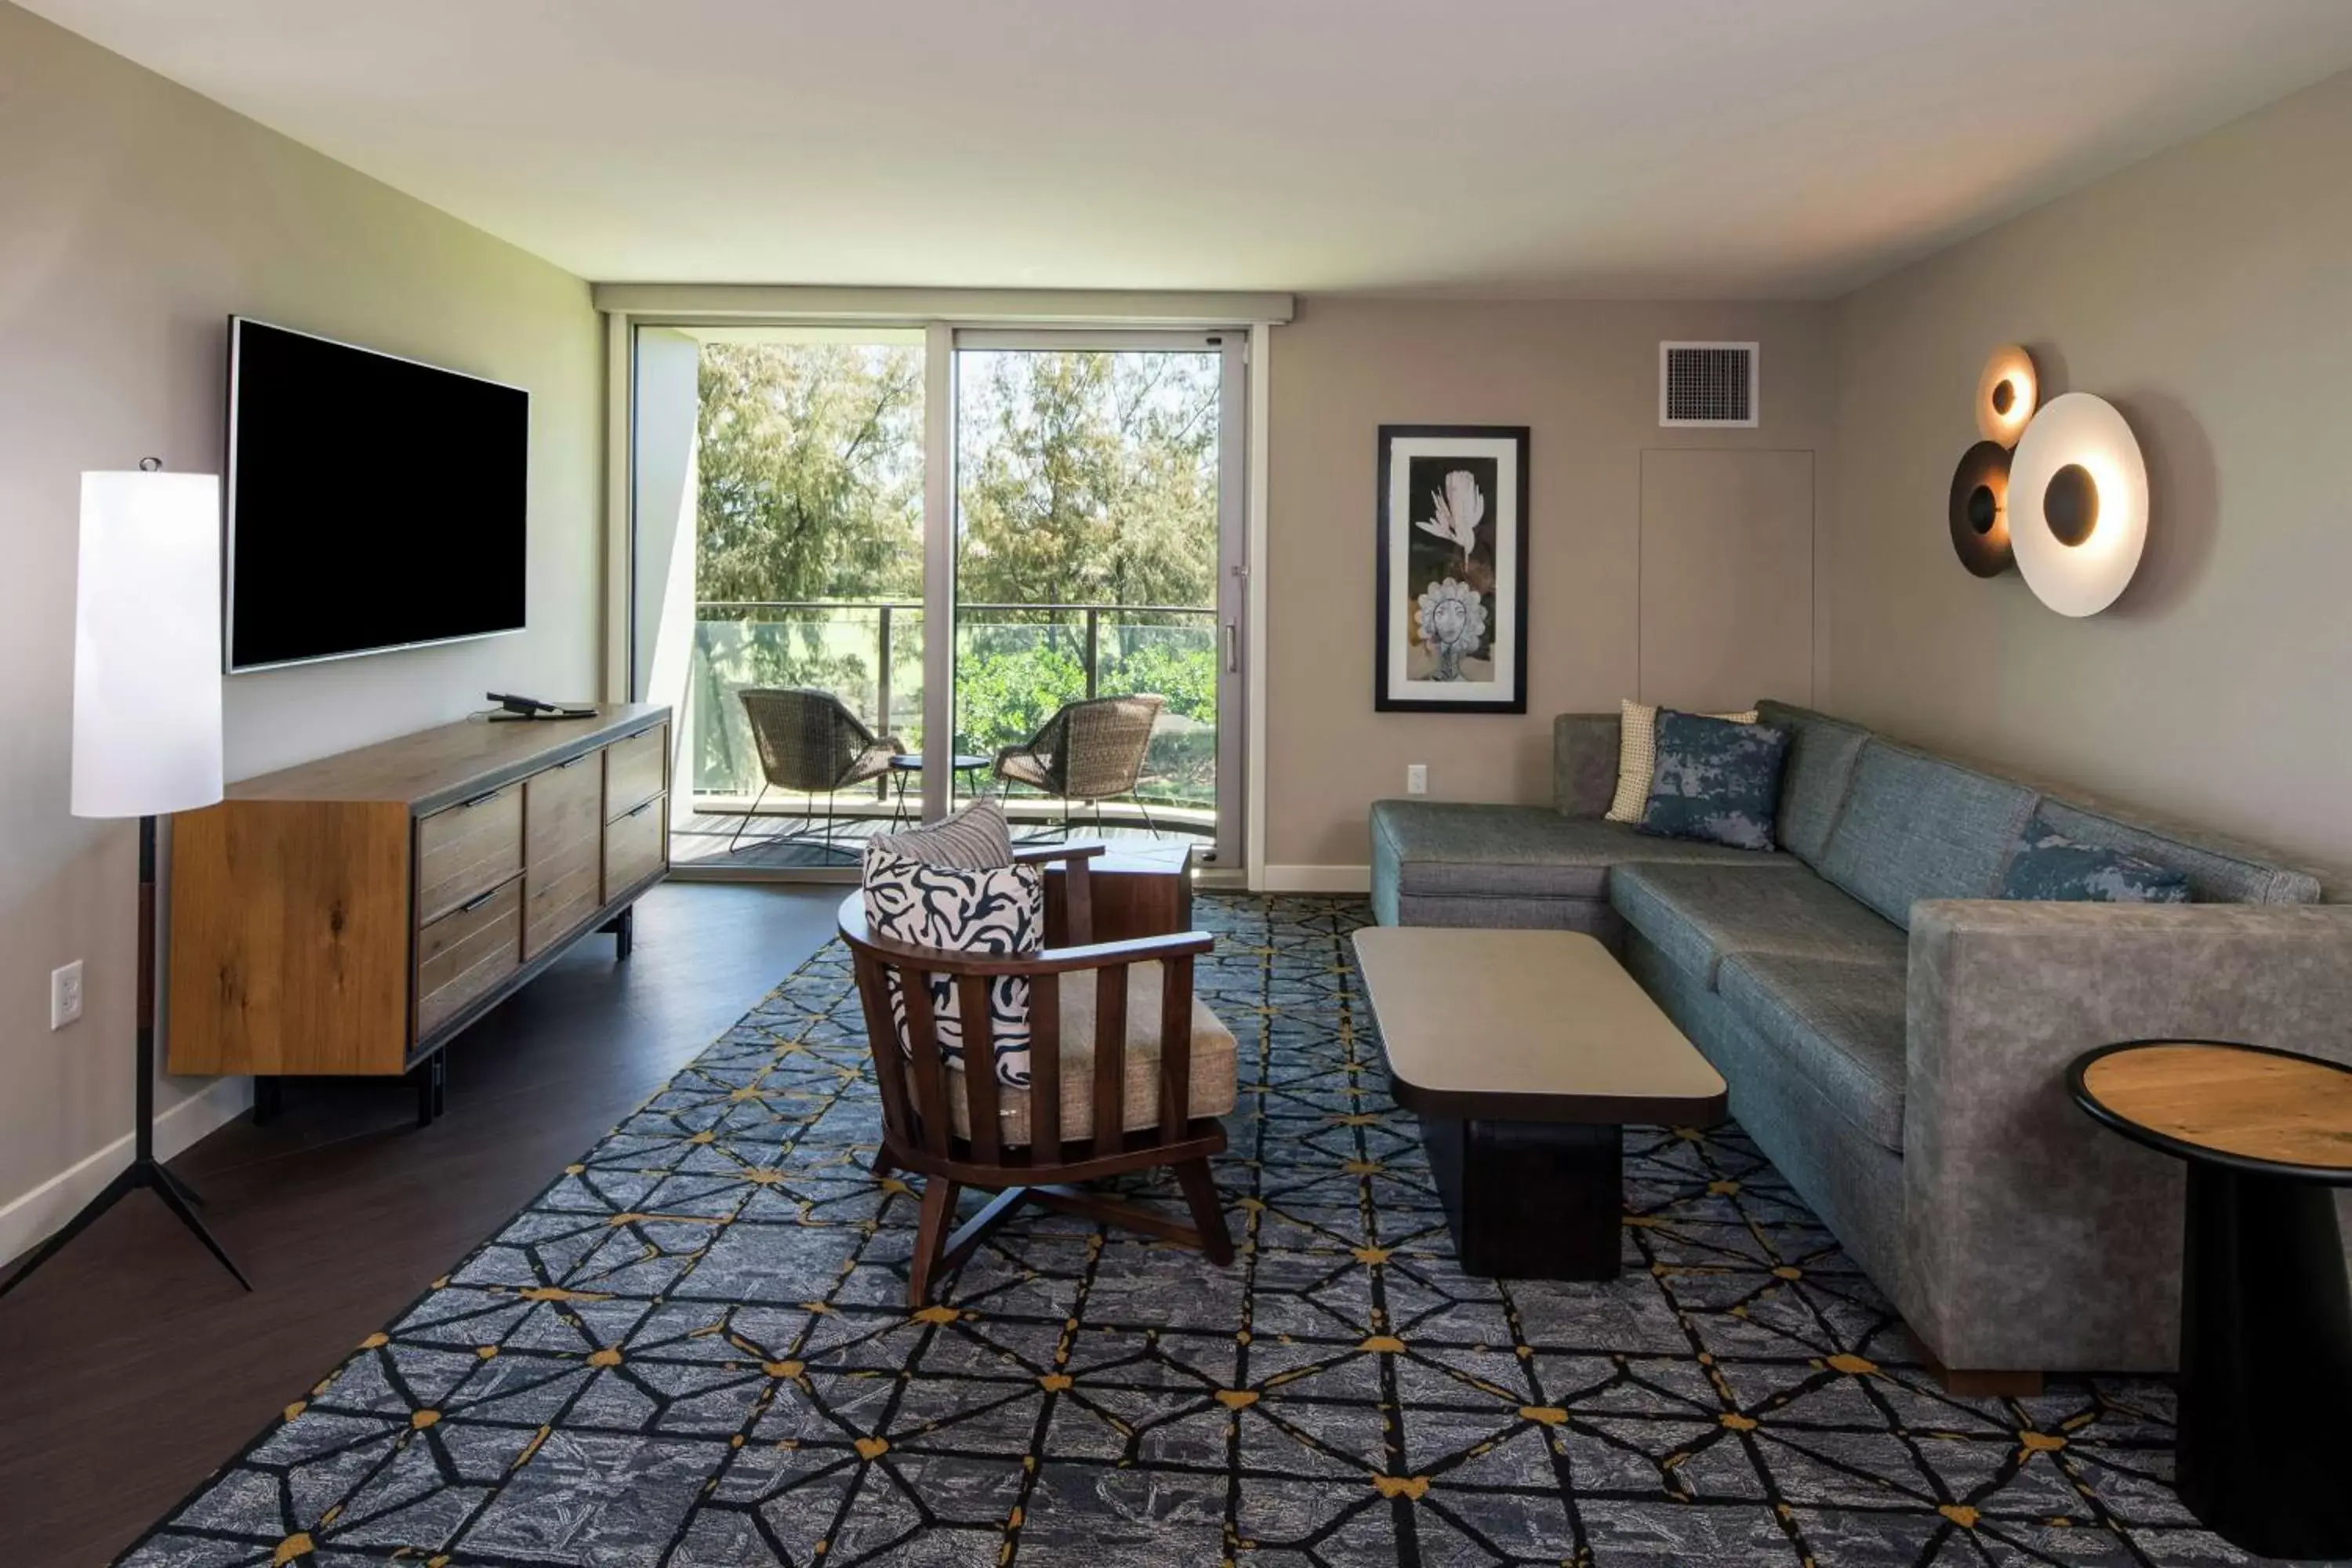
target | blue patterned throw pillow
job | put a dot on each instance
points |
(1716, 781)
(2050, 866)
(994, 909)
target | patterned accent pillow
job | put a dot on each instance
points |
(998, 908)
(2050, 866)
(974, 839)
(1637, 752)
(1717, 780)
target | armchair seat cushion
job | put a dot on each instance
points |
(1834, 1020)
(1699, 915)
(1212, 1080)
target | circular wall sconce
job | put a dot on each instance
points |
(2007, 393)
(1979, 511)
(2077, 504)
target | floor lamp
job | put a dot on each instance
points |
(146, 734)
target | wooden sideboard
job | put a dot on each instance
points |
(352, 915)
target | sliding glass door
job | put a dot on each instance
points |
(1087, 531)
(1097, 520)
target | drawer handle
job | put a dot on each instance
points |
(478, 900)
(569, 762)
(638, 810)
(486, 794)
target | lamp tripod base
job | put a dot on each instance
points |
(144, 1170)
(177, 1195)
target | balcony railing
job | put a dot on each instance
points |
(1014, 665)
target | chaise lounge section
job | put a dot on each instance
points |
(1894, 1035)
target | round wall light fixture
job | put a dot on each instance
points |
(2007, 393)
(2078, 504)
(1980, 510)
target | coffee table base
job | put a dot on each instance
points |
(1530, 1200)
(2266, 1365)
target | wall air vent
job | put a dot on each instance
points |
(1706, 383)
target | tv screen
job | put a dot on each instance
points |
(373, 502)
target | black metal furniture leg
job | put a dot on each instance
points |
(269, 1099)
(432, 1088)
(622, 929)
(2266, 1365)
(170, 1190)
(194, 1198)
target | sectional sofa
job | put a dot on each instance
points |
(1895, 1037)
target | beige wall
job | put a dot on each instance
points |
(134, 217)
(1584, 377)
(2208, 293)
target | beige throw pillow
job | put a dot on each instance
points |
(1637, 755)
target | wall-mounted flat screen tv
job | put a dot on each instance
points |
(373, 502)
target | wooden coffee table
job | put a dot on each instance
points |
(1526, 1053)
(2260, 1454)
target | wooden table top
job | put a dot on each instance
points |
(439, 767)
(1528, 1026)
(2230, 1099)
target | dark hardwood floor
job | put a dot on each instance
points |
(132, 1364)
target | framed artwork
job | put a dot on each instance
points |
(1452, 632)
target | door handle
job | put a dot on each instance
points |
(1233, 650)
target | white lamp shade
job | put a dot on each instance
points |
(2078, 451)
(147, 645)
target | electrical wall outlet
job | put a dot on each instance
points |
(65, 994)
(1416, 778)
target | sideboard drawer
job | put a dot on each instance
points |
(563, 827)
(467, 849)
(466, 953)
(634, 770)
(634, 847)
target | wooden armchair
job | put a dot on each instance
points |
(1110, 1090)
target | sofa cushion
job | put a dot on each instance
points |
(1915, 827)
(1714, 780)
(1637, 755)
(1822, 751)
(2219, 871)
(2049, 866)
(1515, 851)
(1584, 752)
(1699, 915)
(1837, 1020)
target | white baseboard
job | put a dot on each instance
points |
(1318, 880)
(27, 1220)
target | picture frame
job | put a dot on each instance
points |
(1449, 628)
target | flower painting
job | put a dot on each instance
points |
(1452, 589)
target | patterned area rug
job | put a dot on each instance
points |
(693, 1350)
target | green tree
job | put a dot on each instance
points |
(1090, 477)
(811, 473)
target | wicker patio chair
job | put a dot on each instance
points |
(1090, 750)
(1127, 1071)
(809, 742)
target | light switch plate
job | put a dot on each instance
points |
(1416, 778)
(65, 994)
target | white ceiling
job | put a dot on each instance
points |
(1737, 148)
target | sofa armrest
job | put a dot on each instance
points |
(2036, 1238)
(1584, 749)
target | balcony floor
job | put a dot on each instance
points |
(698, 842)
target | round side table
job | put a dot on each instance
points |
(907, 763)
(2264, 1454)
